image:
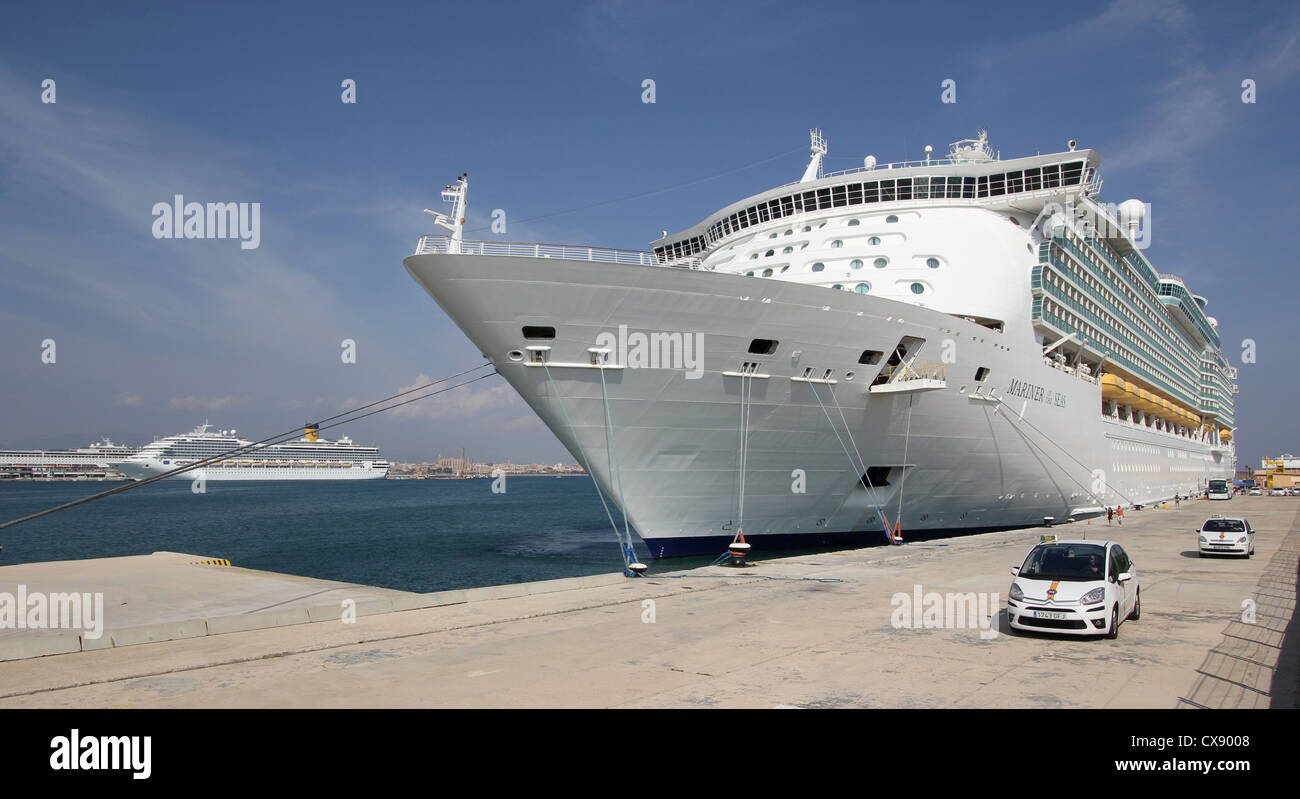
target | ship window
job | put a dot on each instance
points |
(997, 185)
(870, 357)
(871, 192)
(807, 228)
(981, 374)
(787, 250)
(1051, 176)
(1033, 179)
(886, 191)
(918, 288)
(539, 333)
(891, 219)
(855, 194)
(767, 273)
(904, 188)
(862, 288)
(787, 266)
(762, 346)
(753, 256)
(838, 286)
(921, 188)
(835, 245)
(853, 223)
(749, 274)
(789, 232)
(819, 266)
(856, 263)
(873, 241)
(933, 263)
(880, 263)
(769, 253)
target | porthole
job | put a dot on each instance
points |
(807, 228)
(849, 375)
(772, 235)
(787, 266)
(933, 263)
(838, 286)
(753, 256)
(767, 273)
(917, 288)
(789, 232)
(769, 253)
(819, 266)
(856, 263)
(749, 274)
(862, 288)
(835, 245)
(880, 263)
(873, 241)
(853, 223)
(515, 355)
(1014, 221)
(891, 219)
(787, 250)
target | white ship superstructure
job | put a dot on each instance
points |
(957, 344)
(94, 460)
(307, 458)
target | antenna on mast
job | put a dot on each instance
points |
(817, 149)
(456, 197)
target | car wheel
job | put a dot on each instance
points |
(1137, 607)
(1113, 632)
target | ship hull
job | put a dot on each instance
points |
(1026, 443)
(140, 469)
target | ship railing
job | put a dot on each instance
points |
(441, 244)
(915, 370)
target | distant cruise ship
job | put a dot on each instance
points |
(959, 343)
(92, 461)
(308, 458)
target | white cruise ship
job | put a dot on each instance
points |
(92, 461)
(955, 344)
(308, 458)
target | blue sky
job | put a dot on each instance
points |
(541, 104)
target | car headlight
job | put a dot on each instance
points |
(1015, 592)
(1095, 595)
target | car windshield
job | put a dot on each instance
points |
(1071, 562)
(1224, 526)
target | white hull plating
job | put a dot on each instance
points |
(140, 469)
(953, 459)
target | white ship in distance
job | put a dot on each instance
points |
(308, 458)
(957, 344)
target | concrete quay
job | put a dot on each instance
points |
(810, 631)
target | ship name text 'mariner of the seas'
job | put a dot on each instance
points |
(956, 344)
(308, 458)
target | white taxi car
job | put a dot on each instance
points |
(1074, 587)
(1226, 535)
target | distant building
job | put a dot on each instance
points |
(1280, 472)
(83, 463)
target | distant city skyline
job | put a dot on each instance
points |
(328, 129)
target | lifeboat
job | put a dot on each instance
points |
(1112, 388)
(1225, 435)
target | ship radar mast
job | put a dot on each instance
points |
(971, 151)
(455, 196)
(817, 150)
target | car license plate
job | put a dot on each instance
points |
(1049, 614)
